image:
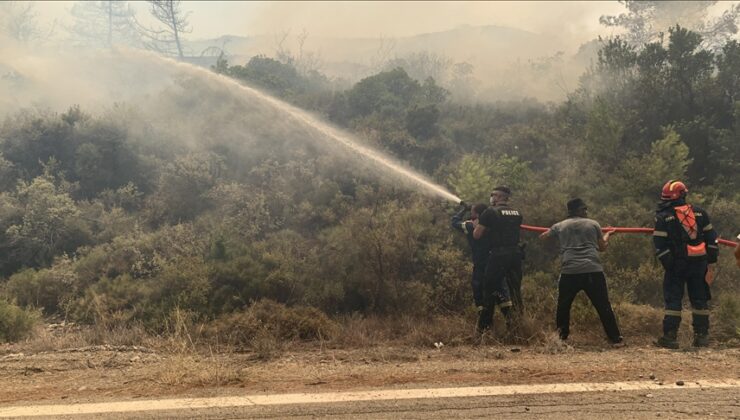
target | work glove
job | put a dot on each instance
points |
(709, 276)
(667, 261)
(461, 214)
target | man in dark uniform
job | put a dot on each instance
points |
(686, 245)
(501, 224)
(480, 247)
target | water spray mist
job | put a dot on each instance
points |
(307, 120)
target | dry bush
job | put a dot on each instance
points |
(269, 317)
(639, 320)
(266, 345)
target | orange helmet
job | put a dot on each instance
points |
(673, 190)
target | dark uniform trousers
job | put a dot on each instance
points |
(689, 274)
(514, 282)
(503, 263)
(594, 284)
(479, 275)
(480, 249)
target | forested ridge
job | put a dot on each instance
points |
(105, 217)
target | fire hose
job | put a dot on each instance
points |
(724, 242)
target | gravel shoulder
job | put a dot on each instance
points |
(114, 373)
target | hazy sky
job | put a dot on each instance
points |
(576, 20)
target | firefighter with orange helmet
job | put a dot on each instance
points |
(686, 245)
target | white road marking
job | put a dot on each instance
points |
(336, 397)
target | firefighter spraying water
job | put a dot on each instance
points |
(686, 245)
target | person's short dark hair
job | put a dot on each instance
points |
(480, 208)
(574, 205)
(503, 189)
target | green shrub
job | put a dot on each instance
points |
(451, 271)
(121, 296)
(643, 285)
(726, 318)
(47, 289)
(16, 323)
(583, 316)
(540, 295)
(179, 284)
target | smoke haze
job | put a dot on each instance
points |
(515, 49)
(366, 19)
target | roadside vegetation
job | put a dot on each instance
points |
(119, 228)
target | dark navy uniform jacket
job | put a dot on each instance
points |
(670, 237)
(480, 247)
(502, 224)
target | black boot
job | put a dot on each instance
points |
(508, 312)
(669, 340)
(485, 319)
(701, 340)
(700, 326)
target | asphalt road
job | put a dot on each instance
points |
(617, 405)
(703, 399)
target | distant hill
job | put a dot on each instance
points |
(497, 54)
(464, 43)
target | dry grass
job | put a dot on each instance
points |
(184, 370)
(44, 339)
(184, 339)
(365, 352)
(359, 332)
(266, 345)
(552, 344)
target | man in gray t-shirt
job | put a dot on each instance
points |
(580, 242)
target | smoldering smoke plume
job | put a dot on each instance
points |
(185, 104)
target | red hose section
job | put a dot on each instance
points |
(624, 230)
